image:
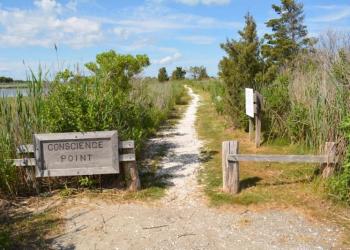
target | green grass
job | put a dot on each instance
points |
(262, 184)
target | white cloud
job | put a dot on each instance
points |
(338, 13)
(205, 2)
(48, 5)
(44, 26)
(201, 40)
(168, 59)
(72, 5)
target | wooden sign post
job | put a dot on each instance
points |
(69, 154)
(85, 153)
(254, 104)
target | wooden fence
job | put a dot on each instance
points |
(231, 159)
(127, 159)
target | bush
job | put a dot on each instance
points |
(135, 107)
(339, 185)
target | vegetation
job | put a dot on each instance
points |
(262, 185)
(288, 37)
(4, 79)
(111, 98)
(178, 74)
(305, 85)
(163, 75)
(198, 73)
(240, 69)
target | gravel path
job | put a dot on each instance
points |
(182, 220)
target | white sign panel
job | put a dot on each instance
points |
(249, 102)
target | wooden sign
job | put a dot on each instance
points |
(249, 102)
(70, 154)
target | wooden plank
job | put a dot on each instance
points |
(126, 144)
(29, 148)
(24, 162)
(230, 169)
(32, 161)
(127, 157)
(26, 148)
(279, 158)
(76, 172)
(328, 167)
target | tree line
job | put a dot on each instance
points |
(195, 72)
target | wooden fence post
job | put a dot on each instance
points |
(258, 98)
(230, 169)
(135, 183)
(329, 167)
(251, 129)
(257, 129)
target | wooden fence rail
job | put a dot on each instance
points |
(126, 156)
(231, 159)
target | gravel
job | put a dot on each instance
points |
(182, 220)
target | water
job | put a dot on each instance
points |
(12, 92)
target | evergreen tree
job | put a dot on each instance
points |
(163, 75)
(288, 38)
(240, 68)
(178, 74)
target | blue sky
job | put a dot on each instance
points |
(171, 32)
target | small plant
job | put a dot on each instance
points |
(66, 192)
(86, 182)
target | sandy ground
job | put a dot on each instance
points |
(182, 220)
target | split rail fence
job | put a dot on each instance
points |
(231, 159)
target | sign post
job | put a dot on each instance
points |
(253, 107)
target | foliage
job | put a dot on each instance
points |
(4, 79)
(20, 118)
(276, 107)
(239, 69)
(86, 182)
(163, 75)
(198, 73)
(289, 36)
(79, 103)
(178, 74)
(216, 89)
(339, 185)
(117, 69)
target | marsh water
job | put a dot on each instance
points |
(11, 92)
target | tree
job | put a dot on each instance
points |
(198, 72)
(240, 68)
(117, 69)
(178, 74)
(163, 75)
(4, 79)
(289, 35)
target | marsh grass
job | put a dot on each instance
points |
(80, 105)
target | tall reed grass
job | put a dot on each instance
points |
(79, 105)
(308, 102)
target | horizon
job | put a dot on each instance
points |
(171, 32)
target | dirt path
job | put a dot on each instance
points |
(182, 220)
